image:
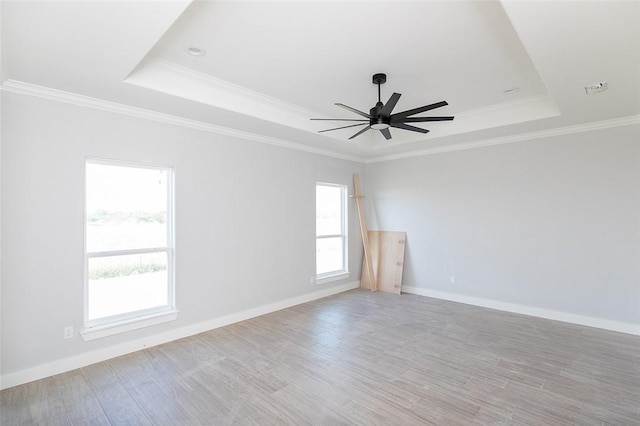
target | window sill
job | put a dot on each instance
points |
(100, 331)
(331, 278)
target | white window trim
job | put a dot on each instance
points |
(116, 324)
(99, 331)
(340, 274)
(331, 277)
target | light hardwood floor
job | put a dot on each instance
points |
(356, 358)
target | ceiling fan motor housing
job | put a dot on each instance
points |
(378, 121)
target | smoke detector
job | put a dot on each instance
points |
(596, 88)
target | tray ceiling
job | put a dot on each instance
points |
(270, 66)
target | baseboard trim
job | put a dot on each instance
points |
(82, 360)
(621, 327)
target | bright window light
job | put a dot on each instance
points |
(331, 229)
(128, 241)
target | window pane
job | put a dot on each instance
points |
(329, 255)
(120, 284)
(126, 208)
(328, 210)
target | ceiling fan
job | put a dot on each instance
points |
(380, 117)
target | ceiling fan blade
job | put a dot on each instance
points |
(386, 133)
(365, 115)
(407, 127)
(336, 119)
(360, 132)
(424, 119)
(414, 111)
(338, 128)
(390, 105)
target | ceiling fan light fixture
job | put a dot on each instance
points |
(380, 126)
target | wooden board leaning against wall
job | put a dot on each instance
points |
(383, 259)
(387, 256)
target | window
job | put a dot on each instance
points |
(331, 232)
(128, 243)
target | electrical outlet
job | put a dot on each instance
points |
(452, 279)
(68, 332)
(312, 280)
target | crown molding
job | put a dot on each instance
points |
(211, 81)
(159, 74)
(29, 89)
(163, 76)
(545, 97)
(491, 116)
(560, 131)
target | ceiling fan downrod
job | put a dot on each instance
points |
(378, 121)
(379, 79)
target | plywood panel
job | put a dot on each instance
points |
(387, 257)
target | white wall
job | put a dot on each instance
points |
(552, 223)
(245, 222)
(2, 72)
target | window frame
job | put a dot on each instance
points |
(339, 274)
(114, 324)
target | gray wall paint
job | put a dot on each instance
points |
(552, 223)
(245, 221)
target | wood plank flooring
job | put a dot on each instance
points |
(355, 358)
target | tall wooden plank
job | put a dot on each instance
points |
(368, 265)
(374, 251)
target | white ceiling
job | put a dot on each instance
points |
(270, 66)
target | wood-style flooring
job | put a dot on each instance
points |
(356, 358)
